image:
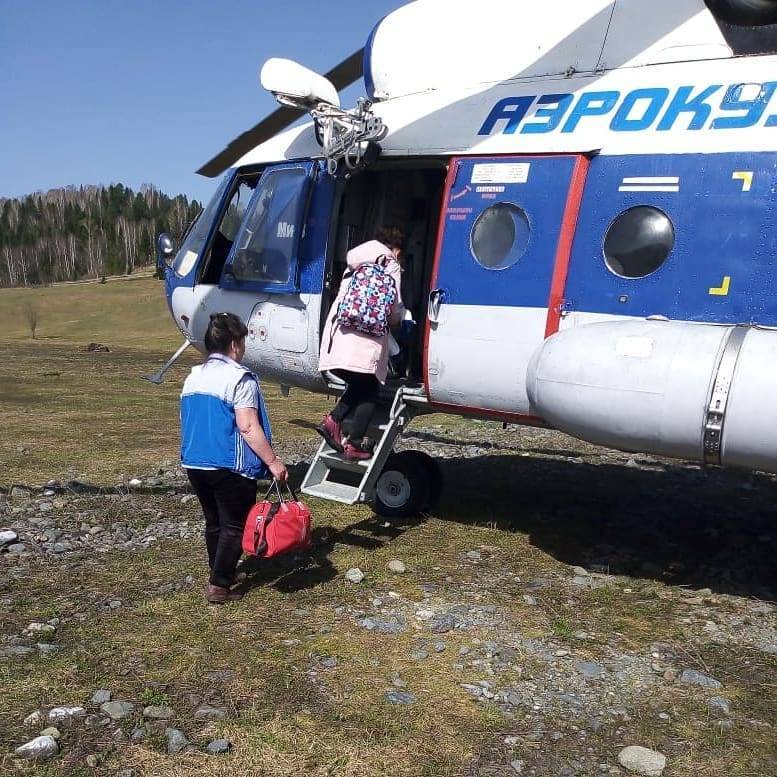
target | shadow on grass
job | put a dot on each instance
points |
(297, 572)
(290, 574)
(680, 524)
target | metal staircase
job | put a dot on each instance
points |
(331, 476)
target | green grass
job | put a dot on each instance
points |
(67, 413)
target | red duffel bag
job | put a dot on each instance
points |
(278, 527)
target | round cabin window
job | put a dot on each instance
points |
(638, 242)
(500, 236)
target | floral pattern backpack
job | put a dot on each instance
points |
(369, 299)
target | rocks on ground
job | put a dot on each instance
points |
(39, 749)
(641, 760)
(65, 715)
(354, 575)
(101, 696)
(400, 697)
(693, 677)
(33, 719)
(176, 741)
(208, 712)
(155, 712)
(117, 710)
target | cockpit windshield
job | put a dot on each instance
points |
(198, 234)
(267, 240)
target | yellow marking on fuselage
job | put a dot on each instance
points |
(722, 290)
(746, 176)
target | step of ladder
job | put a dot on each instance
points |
(333, 477)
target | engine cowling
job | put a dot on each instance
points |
(696, 391)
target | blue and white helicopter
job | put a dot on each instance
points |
(590, 194)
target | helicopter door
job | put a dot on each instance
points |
(274, 274)
(507, 221)
(265, 253)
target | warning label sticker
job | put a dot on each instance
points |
(496, 172)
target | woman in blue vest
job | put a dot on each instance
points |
(225, 447)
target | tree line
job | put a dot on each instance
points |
(86, 232)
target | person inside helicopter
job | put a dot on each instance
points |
(360, 356)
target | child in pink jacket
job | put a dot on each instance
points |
(357, 358)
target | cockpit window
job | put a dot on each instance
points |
(228, 226)
(265, 245)
(236, 209)
(198, 234)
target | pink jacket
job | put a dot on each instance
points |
(347, 349)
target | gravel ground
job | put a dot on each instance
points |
(571, 697)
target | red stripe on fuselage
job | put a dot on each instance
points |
(564, 248)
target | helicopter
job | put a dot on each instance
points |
(589, 192)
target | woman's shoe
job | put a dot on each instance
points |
(332, 432)
(215, 594)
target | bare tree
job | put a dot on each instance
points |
(31, 315)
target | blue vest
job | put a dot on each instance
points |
(210, 438)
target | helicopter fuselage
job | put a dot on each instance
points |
(589, 249)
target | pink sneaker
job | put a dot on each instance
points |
(356, 452)
(331, 431)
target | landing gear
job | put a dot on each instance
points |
(433, 476)
(410, 483)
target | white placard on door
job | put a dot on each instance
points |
(501, 172)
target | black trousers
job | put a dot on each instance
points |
(358, 402)
(226, 499)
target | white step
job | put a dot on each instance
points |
(334, 492)
(337, 461)
(327, 462)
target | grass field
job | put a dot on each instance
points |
(72, 413)
(303, 683)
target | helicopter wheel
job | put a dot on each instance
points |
(434, 477)
(402, 489)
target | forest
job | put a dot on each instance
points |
(84, 232)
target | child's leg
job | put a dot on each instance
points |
(366, 389)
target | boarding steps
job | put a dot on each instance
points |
(331, 476)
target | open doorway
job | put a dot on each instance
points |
(406, 194)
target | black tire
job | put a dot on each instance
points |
(434, 477)
(402, 489)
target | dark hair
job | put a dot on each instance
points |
(393, 237)
(223, 330)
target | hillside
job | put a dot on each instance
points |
(85, 232)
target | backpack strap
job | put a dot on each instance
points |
(332, 332)
(346, 275)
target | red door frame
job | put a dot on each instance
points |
(558, 281)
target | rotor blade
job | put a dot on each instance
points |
(348, 71)
(342, 75)
(242, 144)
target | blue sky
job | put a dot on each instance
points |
(136, 91)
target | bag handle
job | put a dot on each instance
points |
(275, 485)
